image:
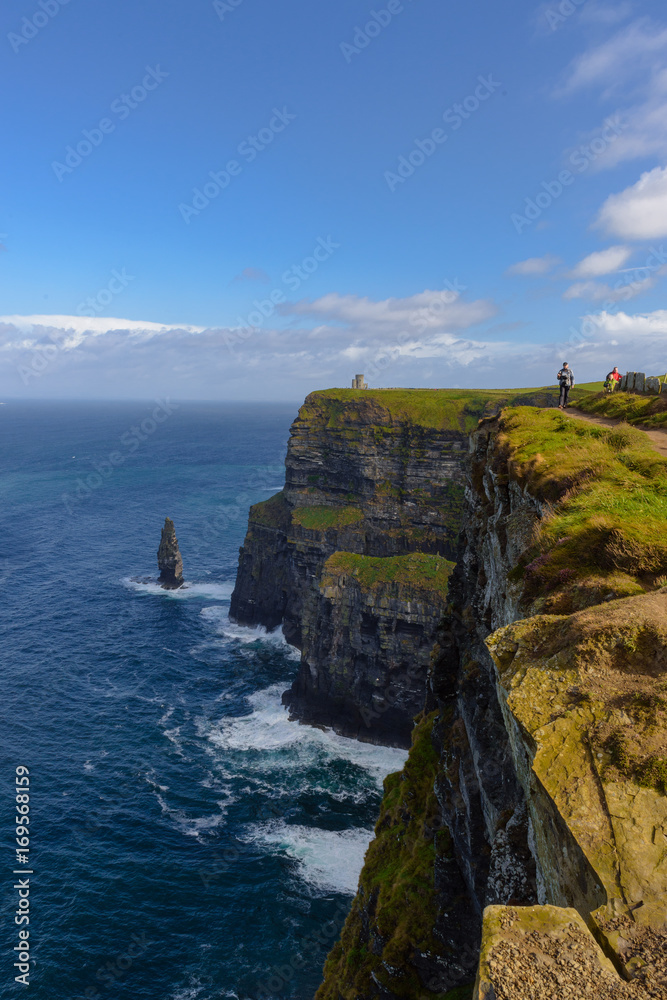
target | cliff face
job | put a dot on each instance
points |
(375, 476)
(372, 623)
(546, 815)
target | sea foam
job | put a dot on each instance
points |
(328, 860)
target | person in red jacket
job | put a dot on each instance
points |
(612, 379)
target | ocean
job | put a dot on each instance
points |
(187, 842)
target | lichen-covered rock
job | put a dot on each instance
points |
(585, 704)
(542, 953)
(169, 559)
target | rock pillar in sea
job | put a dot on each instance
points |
(169, 559)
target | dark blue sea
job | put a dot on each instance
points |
(188, 842)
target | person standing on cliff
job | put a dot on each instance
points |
(565, 380)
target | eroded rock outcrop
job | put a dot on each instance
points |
(169, 559)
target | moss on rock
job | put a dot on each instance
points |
(417, 571)
(395, 912)
(585, 699)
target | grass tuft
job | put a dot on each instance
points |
(320, 518)
(417, 570)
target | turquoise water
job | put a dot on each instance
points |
(188, 841)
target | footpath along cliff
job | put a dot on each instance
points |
(353, 557)
(522, 851)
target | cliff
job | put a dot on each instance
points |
(525, 844)
(352, 557)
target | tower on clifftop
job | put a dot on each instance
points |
(358, 382)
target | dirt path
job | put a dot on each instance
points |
(658, 438)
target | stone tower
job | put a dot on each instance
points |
(358, 382)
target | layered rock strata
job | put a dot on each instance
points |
(380, 480)
(377, 476)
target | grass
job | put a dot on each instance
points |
(440, 409)
(605, 491)
(649, 772)
(645, 411)
(320, 518)
(417, 570)
(397, 888)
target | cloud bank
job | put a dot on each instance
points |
(433, 338)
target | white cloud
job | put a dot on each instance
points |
(434, 311)
(601, 262)
(645, 327)
(602, 13)
(64, 355)
(631, 67)
(76, 329)
(534, 266)
(327, 342)
(640, 211)
(639, 47)
(623, 291)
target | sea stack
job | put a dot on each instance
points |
(169, 559)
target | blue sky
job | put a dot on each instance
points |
(244, 199)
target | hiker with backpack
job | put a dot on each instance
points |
(612, 379)
(565, 380)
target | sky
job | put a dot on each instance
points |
(240, 199)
